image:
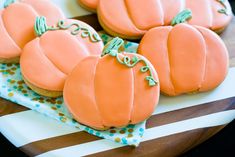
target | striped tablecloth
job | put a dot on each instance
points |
(177, 125)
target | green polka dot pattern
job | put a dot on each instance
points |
(14, 89)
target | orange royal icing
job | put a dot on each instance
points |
(17, 24)
(187, 58)
(47, 60)
(131, 18)
(101, 92)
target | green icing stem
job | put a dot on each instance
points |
(8, 2)
(223, 10)
(182, 17)
(114, 44)
(112, 50)
(41, 27)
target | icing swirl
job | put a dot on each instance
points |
(112, 50)
(223, 10)
(41, 27)
(182, 17)
(86, 33)
(8, 2)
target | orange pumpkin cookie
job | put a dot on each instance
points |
(90, 5)
(47, 60)
(17, 22)
(112, 91)
(132, 18)
(187, 58)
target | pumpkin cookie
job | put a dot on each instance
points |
(47, 60)
(114, 90)
(17, 22)
(90, 5)
(187, 58)
(131, 19)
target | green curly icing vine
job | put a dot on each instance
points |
(86, 33)
(41, 27)
(182, 17)
(112, 49)
(222, 2)
(8, 2)
(223, 10)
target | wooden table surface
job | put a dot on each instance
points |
(171, 145)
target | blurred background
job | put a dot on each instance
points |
(222, 144)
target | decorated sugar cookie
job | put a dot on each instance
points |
(187, 58)
(17, 22)
(114, 90)
(132, 18)
(90, 5)
(47, 60)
